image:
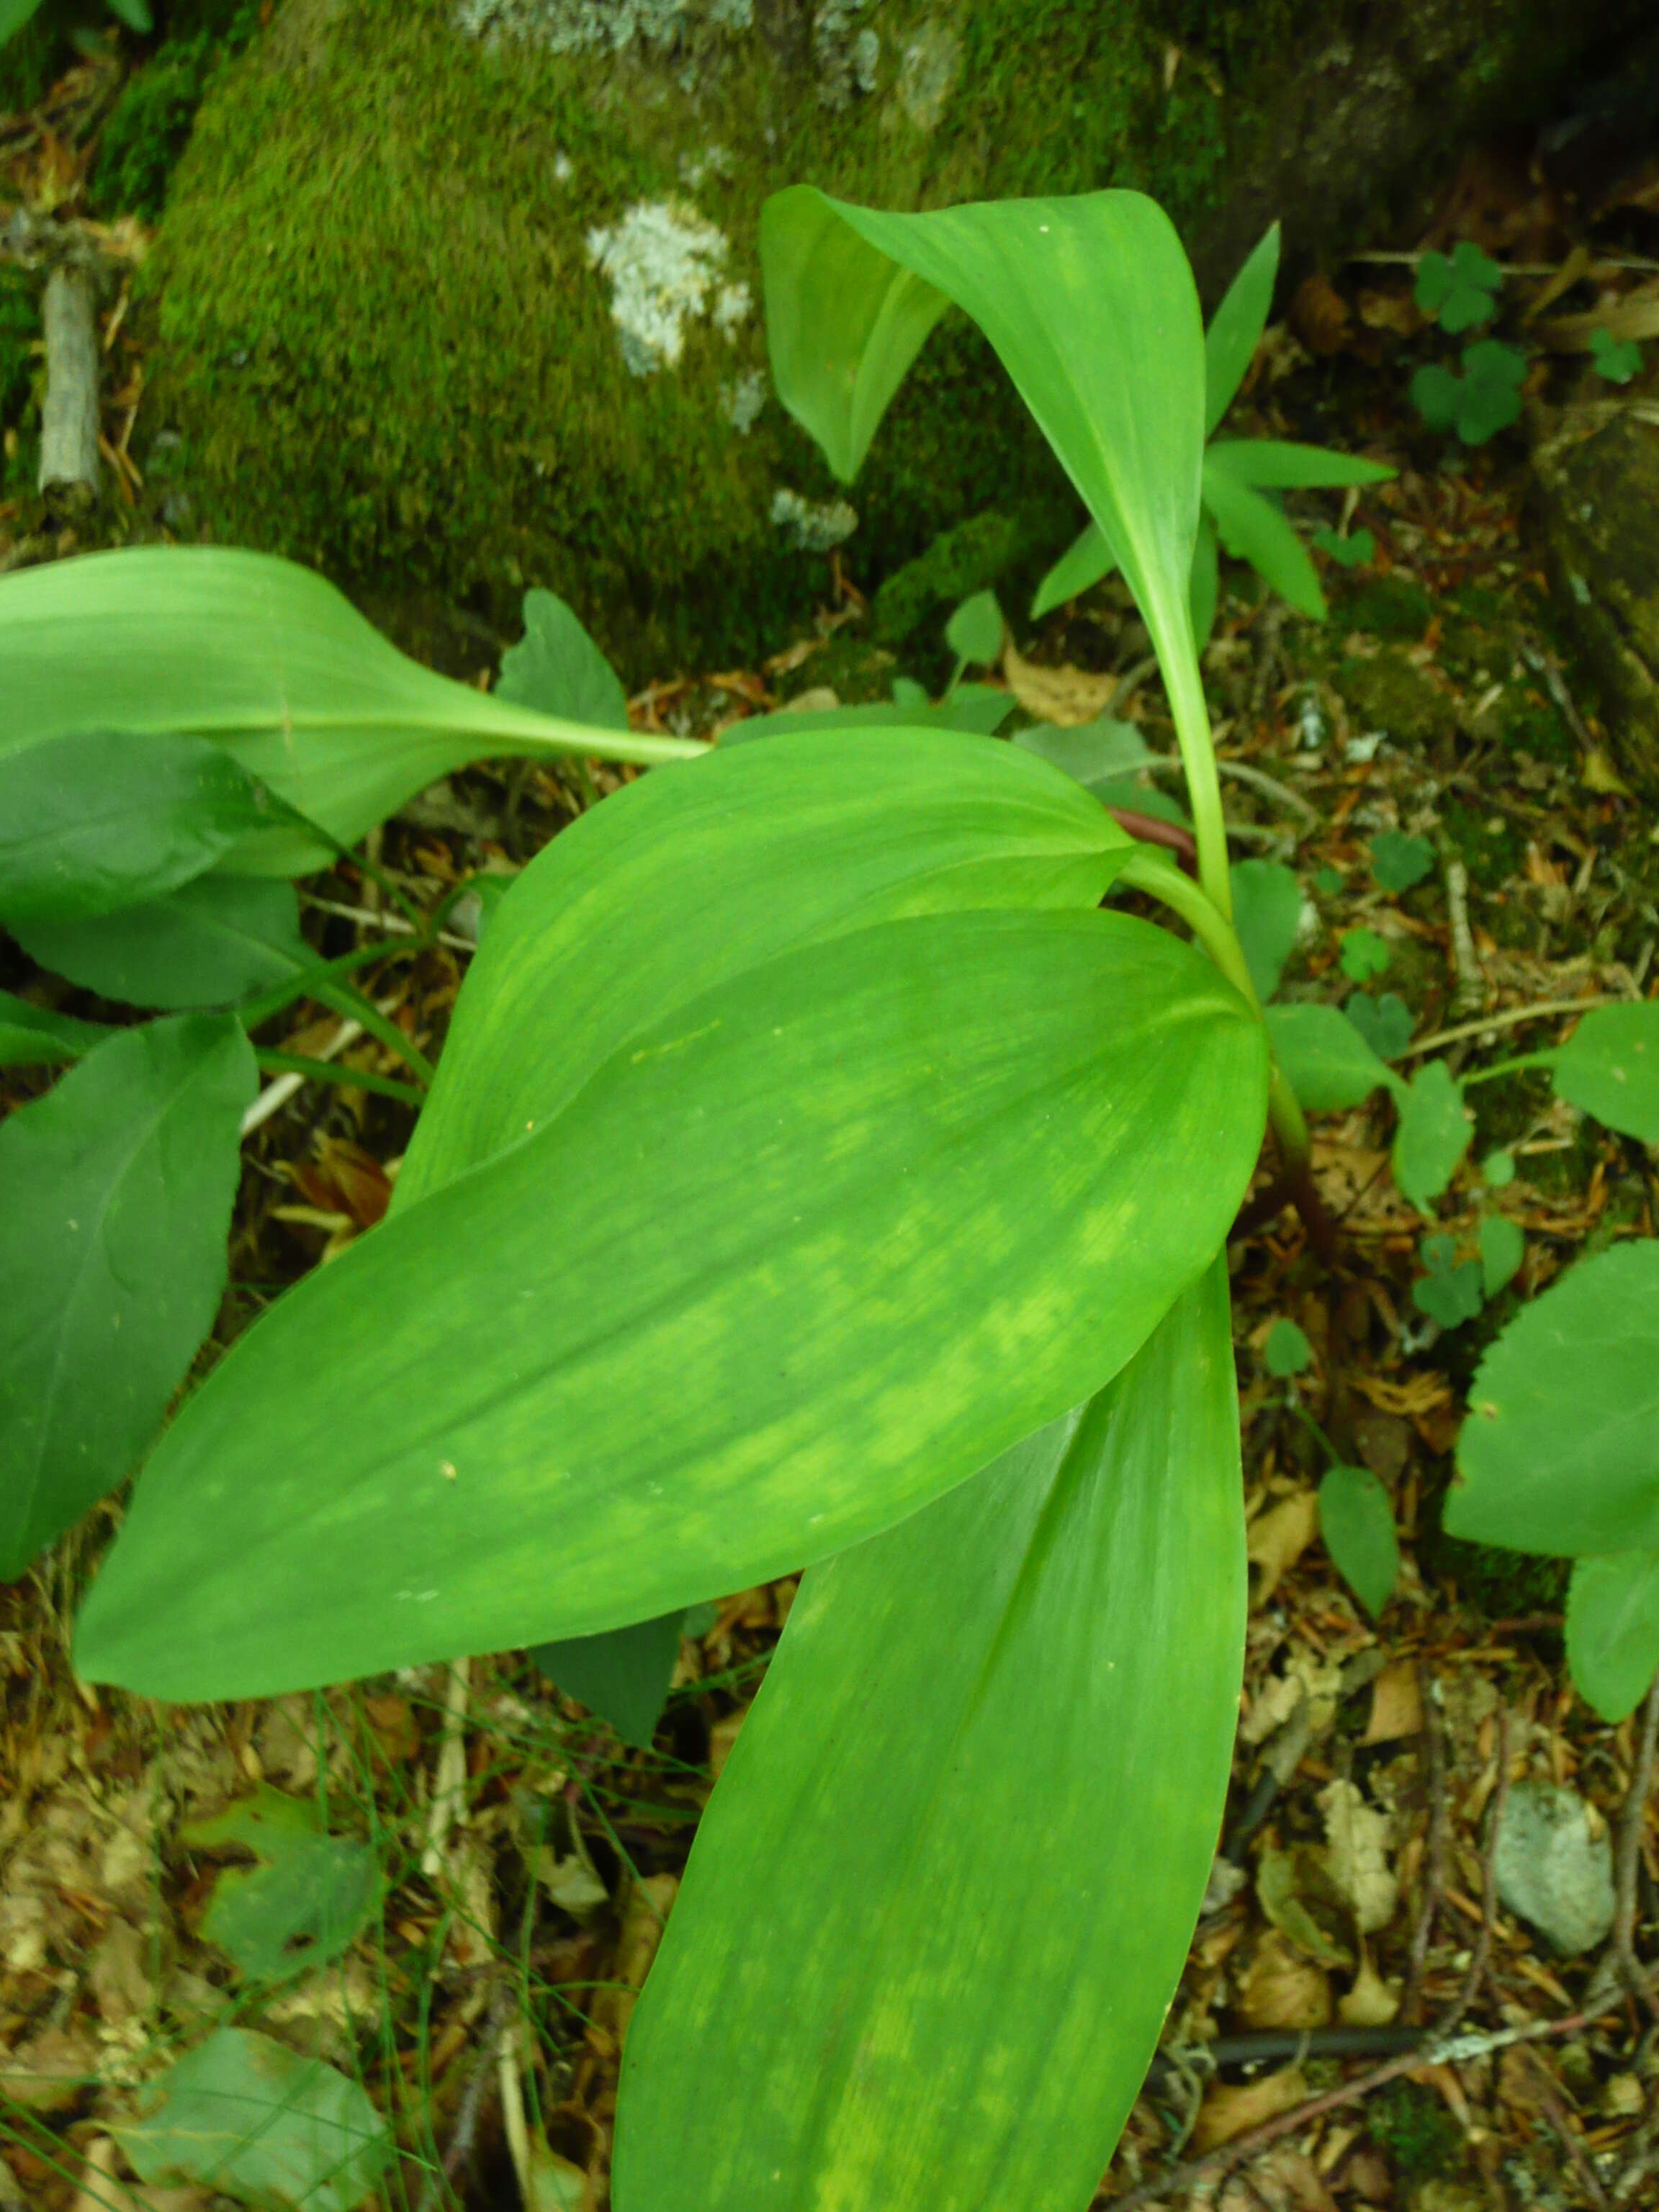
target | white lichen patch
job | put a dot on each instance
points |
(667, 270)
(846, 55)
(696, 168)
(742, 400)
(580, 27)
(927, 74)
(812, 525)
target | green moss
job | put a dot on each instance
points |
(958, 562)
(32, 59)
(1413, 2125)
(1500, 1585)
(149, 126)
(1491, 847)
(1388, 607)
(1385, 691)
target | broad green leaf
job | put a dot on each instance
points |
(1236, 328)
(1385, 1023)
(1252, 529)
(35, 1036)
(310, 1894)
(1270, 465)
(1090, 305)
(1266, 911)
(1355, 1519)
(135, 14)
(795, 1260)
(556, 668)
(203, 944)
(1613, 1629)
(1327, 1061)
(245, 2114)
(1434, 1132)
(1398, 861)
(105, 819)
(271, 662)
(975, 709)
(1286, 1351)
(672, 886)
(1086, 561)
(623, 1675)
(844, 321)
(115, 1198)
(1094, 754)
(973, 632)
(1560, 1450)
(947, 1882)
(14, 14)
(1609, 1066)
(1503, 1247)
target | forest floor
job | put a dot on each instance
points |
(1364, 2021)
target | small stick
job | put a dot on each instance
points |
(1471, 986)
(1511, 1020)
(1482, 1951)
(68, 420)
(1632, 1819)
(1435, 1881)
(449, 1777)
(1560, 2120)
(276, 1095)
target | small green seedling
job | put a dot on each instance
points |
(1460, 290)
(1477, 403)
(1616, 360)
(1503, 1247)
(1356, 551)
(1385, 1023)
(1356, 1519)
(1287, 1351)
(1363, 954)
(1451, 1291)
(1398, 861)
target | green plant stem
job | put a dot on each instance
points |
(326, 1071)
(1294, 1405)
(1192, 721)
(345, 1000)
(1162, 881)
(1518, 1066)
(307, 982)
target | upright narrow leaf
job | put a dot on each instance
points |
(803, 1256)
(1252, 529)
(1090, 306)
(105, 819)
(943, 1895)
(1559, 1452)
(269, 661)
(205, 944)
(1613, 1629)
(672, 886)
(1236, 328)
(115, 1197)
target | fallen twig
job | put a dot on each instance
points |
(1627, 1862)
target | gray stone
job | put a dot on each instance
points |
(1552, 1870)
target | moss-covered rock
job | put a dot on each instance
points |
(460, 295)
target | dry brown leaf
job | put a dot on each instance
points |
(1371, 2002)
(1356, 1855)
(1397, 1704)
(644, 1914)
(1320, 316)
(1229, 2111)
(1282, 1989)
(1064, 696)
(1278, 1538)
(119, 1974)
(722, 1737)
(49, 2073)
(102, 2190)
